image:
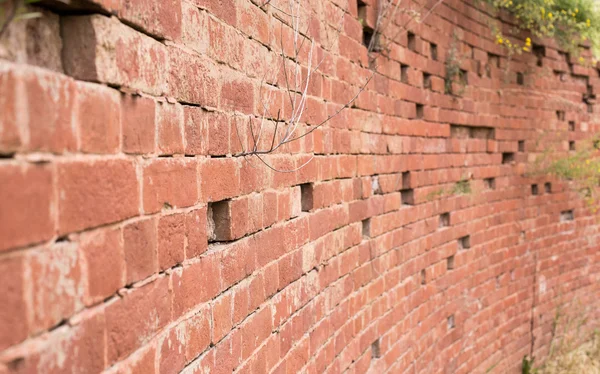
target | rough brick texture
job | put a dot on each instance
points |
(135, 239)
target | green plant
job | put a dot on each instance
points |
(14, 10)
(581, 168)
(569, 22)
(462, 187)
(454, 74)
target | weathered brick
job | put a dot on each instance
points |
(98, 118)
(169, 129)
(13, 326)
(57, 284)
(138, 123)
(169, 182)
(99, 48)
(171, 240)
(133, 320)
(140, 249)
(162, 18)
(93, 193)
(27, 188)
(102, 253)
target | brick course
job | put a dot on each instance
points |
(135, 237)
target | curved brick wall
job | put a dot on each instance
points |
(132, 241)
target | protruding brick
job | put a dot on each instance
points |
(93, 193)
(99, 48)
(169, 182)
(26, 189)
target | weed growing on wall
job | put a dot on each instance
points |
(14, 10)
(580, 167)
(570, 22)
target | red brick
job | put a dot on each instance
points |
(30, 190)
(103, 49)
(221, 317)
(162, 18)
(195, 233)
(138, 121)
(171, 240)
(170, 129)
(102, 253)
(219, 179)
(50, 99)
(140, 248)
(237, 95)
(13, 325)
(57, 284)
(92, 193)
(10, 138)
(133, 320)
(75, 349)
(223, 9)
(98, 118)
(195, 130)
(193, 79)
(195, 284)
(169, 182)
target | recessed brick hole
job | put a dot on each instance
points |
(520, 79)
(534, 189)
(590, 108)
(451, 322)
(508, 157)
(464, 77)
(434, 51)
(423, 276)
(444, 220)
(366, 227)
(411, 41)
(566, 215)
(375, 349)
(571, 145)
(427, 80)
(548, 187)
(464, 242)
(560, 115)
(521, 145)
(218, 221)
(450, 263)
(420, 110)
(596, 144)
(367, 36)
(404, 73)
(408, 197)
(490, 183)
(540, 52)
(571, 125)
(494, 60)
(306, 195)
(406, 180)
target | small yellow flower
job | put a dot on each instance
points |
(549, 15)
(576, 10)
(581, 59)
(526, 49)
(500, 41)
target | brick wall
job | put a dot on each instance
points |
(133, 240)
